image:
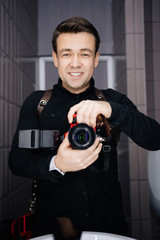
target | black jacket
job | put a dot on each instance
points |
(90, 197)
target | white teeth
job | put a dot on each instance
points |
(75, 74)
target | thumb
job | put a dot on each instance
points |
(66, 141)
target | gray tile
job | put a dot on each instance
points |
(142, 158)
(155, 10)
(14, 41)
(149, 66)
(150, 95)
(1, 123)
(140, 87)
(156, 65)
(133, 161)
(139, 51)
(144, 200)
(156, 36)
(131, 85)
(135, 205)
(138, 16)
(130, 51)
(129, 11)
(148, 36)
(157, 94)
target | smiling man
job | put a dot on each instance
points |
(76, 60)
(79, 188)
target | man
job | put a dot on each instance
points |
(74, 185)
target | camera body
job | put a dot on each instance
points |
(81, 135)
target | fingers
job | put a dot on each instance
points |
(65, 142)
(85, 111)
(74, 110)
(92, 155)
(69, 159)
(88, 110)
(96, 147)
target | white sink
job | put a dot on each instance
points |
(90, 236)
(101, 236)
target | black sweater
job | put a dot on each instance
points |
(90, 197)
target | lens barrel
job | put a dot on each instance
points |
(81, 136)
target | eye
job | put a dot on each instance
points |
(66, 55)
(85, 55)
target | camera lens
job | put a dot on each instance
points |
(81, 136)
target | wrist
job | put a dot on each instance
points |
(54, 167)
(107, 110)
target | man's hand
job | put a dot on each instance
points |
(70, 160)
(88, 110)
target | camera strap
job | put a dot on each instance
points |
(43, 102)
(110, 130)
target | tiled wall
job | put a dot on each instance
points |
(137, 35)
(152, 52)
(118, 13)
(18, 40)
(136, 90)
(152, 57)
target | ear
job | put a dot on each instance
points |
(55, 59)
(96, 59)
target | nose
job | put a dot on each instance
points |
(75, 61)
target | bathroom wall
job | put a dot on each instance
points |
(18, 41)
(152, 60)
(119, 40)
(136, 89)
(152, 56)
(99, 13)
(136, 38)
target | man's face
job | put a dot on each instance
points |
(76, 60)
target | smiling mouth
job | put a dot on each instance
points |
(75, 74)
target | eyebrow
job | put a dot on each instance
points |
(82, 50)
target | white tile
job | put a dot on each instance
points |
(130, 51)
(139, 51)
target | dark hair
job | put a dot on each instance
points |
(75, 25)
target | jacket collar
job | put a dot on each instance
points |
(58, 87)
